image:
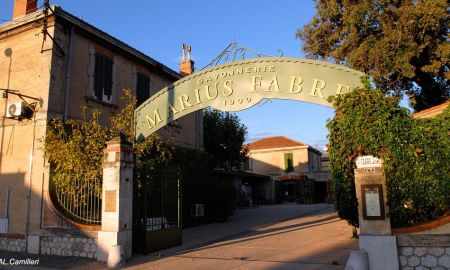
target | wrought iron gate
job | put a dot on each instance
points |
(156, 210)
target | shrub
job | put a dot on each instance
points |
(415, 154)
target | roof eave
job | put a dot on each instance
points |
(279, 148)
(61, 13)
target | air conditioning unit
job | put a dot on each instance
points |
(198, 210)
(18, 110)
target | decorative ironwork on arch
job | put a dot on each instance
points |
(233, 52)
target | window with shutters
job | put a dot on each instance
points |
(142, 88)
(103, 77)
(288, 162)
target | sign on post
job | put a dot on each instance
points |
(372, 201)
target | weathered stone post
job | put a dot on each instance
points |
(375, 227)
(117, 198)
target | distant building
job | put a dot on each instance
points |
(295, 167)
(431, 112)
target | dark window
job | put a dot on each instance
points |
(142, 88)
(289, 162)
(247, 164)
(310, 160)
(103, 77)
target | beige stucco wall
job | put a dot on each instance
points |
(325, 172)
(271, 161)
(22, 163)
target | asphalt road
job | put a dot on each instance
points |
(285, 236)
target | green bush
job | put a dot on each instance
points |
(415, 153)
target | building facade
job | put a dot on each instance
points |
(295, 168)
(51, 65)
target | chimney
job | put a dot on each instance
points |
(186, 64)
(24, 7)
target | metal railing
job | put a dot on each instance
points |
(81, 202)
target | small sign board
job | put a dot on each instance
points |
(367, 162)
(372, 201)
(110, 201)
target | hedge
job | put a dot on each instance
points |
(415, 152)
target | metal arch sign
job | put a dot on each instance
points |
(238, 85)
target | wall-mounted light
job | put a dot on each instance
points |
(5, 94)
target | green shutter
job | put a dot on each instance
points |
(98, 91)
(288, 162)
(142, 88)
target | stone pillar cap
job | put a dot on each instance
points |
(121, 139)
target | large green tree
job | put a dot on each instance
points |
(224, 135)
(403, 45)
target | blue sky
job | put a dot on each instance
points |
(159, 27)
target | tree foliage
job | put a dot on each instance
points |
(224, 137)
(75, 147)
(415, 153)
(152, 151)
(403, 45)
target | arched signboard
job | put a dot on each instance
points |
(241, 84)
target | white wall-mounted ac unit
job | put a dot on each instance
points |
(18, 110)
(198, 210)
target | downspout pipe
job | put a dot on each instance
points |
(30, 182)
(68, 75)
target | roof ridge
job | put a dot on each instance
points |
(274, 142)
(431, 109)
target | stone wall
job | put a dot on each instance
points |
(424, 252)
(68, 246)
(12, 244)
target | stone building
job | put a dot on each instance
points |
(51, 64)
(294, 166)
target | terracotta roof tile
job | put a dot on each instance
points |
(430, 112)
(273, 142)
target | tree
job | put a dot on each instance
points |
(224, 137)
(152, 151)
(75, 147)
(403, 45)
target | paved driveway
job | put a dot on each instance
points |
(285, 236)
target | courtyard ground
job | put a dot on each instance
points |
(287, 236)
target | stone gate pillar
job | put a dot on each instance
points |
(117, 198)
(375, 227)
